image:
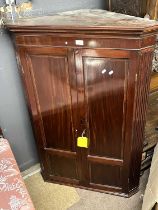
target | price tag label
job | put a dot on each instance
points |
(83, 142)
(79, 42)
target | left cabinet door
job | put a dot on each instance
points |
(50, 84)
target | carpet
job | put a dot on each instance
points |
(48, 196)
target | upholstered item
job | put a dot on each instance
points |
(13, 193)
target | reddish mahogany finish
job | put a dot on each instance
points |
(99, 86)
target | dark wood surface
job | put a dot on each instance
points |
(99, 89)
(141, 99)
(1, 134)
(151, 128)
(138, 8)
(130, 7)
(151, 134)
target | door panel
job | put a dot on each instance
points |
(105, 175)
(105, 81)
(50, 79)
(62, 166)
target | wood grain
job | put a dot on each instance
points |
(98, 89)
(152, 9)
(141, 99)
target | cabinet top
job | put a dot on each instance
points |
(100, 20)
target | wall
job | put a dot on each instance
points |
(13, 113)
(14, 118)
(61, 5)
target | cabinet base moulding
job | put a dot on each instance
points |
(108, 190)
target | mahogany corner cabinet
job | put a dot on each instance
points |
(86, 74)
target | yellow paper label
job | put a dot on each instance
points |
(82, 142)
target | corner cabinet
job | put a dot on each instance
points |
(87, 77)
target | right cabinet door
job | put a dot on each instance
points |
(106, 83)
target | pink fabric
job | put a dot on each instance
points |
(13, 193)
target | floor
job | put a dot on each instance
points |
(47, 196)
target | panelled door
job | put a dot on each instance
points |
(102, 78)
(51, 92)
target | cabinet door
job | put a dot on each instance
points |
(51, 88)
(103, 74)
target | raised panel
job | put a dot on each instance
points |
(61, 166)
(105, 90)
(105, 175)
(50, 77)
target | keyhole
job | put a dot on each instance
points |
(83, 121)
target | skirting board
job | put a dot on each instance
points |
(31, 171)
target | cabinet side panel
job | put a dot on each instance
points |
(141, 101)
